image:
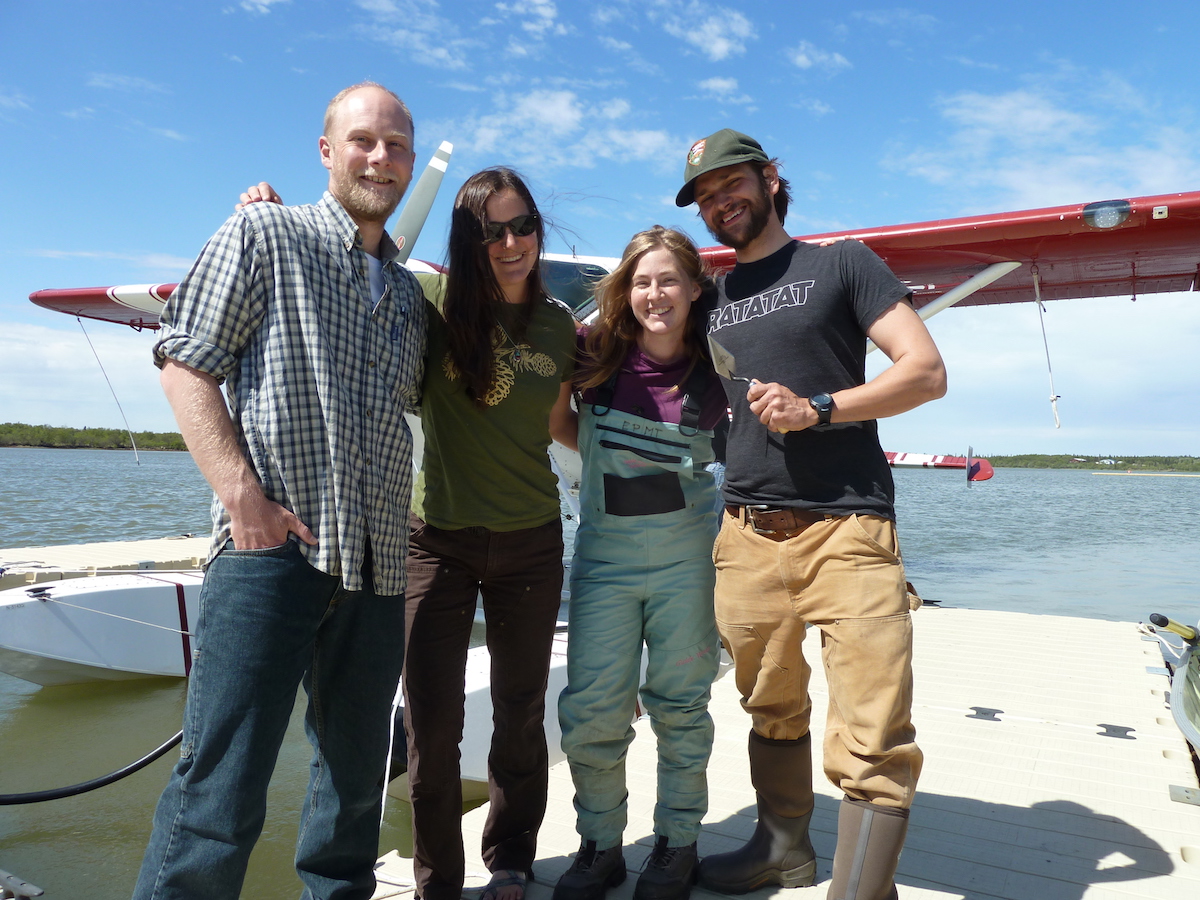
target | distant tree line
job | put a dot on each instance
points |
(15, 434)
(1136, 463)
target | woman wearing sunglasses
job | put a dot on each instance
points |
(486, 522)
(642, 573)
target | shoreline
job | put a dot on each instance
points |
(127, 449)
(173, 443)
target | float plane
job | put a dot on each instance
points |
(1131, 247)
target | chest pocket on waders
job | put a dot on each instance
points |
(655, 493)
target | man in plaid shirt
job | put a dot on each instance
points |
(319, 337)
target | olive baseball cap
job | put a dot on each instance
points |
(725, 148)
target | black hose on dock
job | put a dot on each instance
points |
(75, 789)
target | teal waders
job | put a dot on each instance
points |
(642, 575)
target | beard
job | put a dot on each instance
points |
(750, 226)
(363, 203)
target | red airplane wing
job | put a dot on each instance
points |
(1110, 248)
(135, 305)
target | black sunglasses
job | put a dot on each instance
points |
(520, 226)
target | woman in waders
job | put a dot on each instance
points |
(642, 572)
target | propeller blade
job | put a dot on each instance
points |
(420, 201)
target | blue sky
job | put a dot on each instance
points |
(128, 129)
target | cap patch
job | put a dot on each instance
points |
(696, 153)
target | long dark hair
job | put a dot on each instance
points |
(473, 295)
(616, 328)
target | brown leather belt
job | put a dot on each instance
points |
(774, 519)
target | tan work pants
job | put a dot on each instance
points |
(843, 575)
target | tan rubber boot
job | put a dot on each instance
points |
(779, 852)
(870, 839)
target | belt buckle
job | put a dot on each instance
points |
(763, 508)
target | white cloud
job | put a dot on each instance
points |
(816, 107)
(129, 83)
(611, 43)
(157, 262)
(724, 90)
(898, 18)
(809, 56)
(719, 85)
(1034, 147)
(571, 133)
(717, 32)
(262, 7)
(13, 100)
(168, 133)
(974, 63)
(631, 58)
(615, 109)
(541, 17)
(554, 112)
(517, 50)
(415, 28)
(84, 112)
(1106, 353)
(1022, 116)
(50, 375)
(603, 15)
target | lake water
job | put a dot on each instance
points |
(1071, 543)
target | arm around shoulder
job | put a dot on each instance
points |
(564, 421)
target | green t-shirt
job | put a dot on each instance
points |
(489, 467)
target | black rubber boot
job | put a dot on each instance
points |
(779, 851)
(592, 873)
(669, 874)
(870, 839)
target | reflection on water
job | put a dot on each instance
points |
(1057, 542)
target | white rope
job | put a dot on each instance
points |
(1037, 294)
(100, 612)
(136, 458)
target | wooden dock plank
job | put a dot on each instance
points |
(1038, 803)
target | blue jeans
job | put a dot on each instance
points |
(268, 622)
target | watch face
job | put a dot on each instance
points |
(823, 405)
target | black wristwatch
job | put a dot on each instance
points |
(822, 404)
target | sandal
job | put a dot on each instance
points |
(501, 878)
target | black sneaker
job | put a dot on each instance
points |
(592, 873)
(669, 874)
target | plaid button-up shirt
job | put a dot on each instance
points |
(317, 375)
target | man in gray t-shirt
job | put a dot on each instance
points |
(809, 532)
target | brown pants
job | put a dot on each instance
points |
(519, 574)
(843, 575)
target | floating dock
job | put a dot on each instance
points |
(1051, 764)
(29, 565)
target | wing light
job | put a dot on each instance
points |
(1107, 213)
